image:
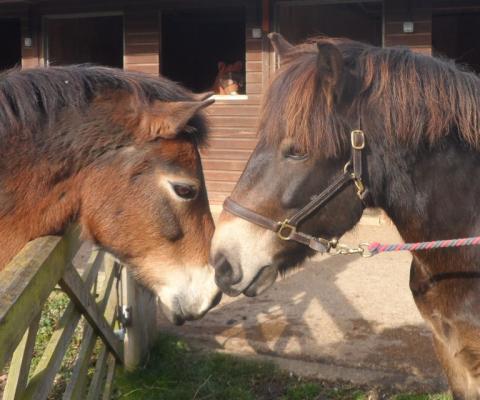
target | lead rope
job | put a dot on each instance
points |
(372, 249)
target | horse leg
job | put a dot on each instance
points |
(453, 369)
(450, 312)
(458, 347)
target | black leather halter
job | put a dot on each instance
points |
(287, 229)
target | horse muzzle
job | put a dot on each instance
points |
(179, 310)
(229, 278)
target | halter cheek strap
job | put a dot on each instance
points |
(287, 229)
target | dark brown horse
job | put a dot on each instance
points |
(421, 162)
(117, 152)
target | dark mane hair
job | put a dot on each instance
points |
(418, 98)
(31, 98)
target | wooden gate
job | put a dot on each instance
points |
(100, 291)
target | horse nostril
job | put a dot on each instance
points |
(224, 274)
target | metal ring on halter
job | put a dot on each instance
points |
(285, 225)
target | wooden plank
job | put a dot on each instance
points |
(230, 176)
(73, 285)
(217, 197)
(76, 388)
(253, 55)
(41, 382)
(233, 110)
(96, 386)
(254, 88)
(253, 66)
(238, 144)
(233, 154)
(254, 77)
(100, 367)
(20, 366)
(219, 186)
(43, 377)
(231, 165)
(141, 58)
(253, 45)
(108, 389)
(233, 133)
(242, 122)
(141, 48)
(406, 39)
(152, 69)
(26, 282)
(143, 330)
(141, 37)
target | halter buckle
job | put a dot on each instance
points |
(357, 138)
(286, 231)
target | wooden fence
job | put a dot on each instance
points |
(98, 291)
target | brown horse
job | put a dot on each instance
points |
(117, 152)
(419, 160)
(229, 79)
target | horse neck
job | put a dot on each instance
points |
(432, 194)
(37, 207)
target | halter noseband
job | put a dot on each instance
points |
(287, 229)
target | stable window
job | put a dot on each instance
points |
(360, 21)
(10, 45)
(205, 49)
(456, 36)
(85, 39)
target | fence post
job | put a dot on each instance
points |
(142, 331)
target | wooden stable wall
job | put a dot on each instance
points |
(142, 40)
(420, 12)
(233, 122)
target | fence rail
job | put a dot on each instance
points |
(25, 285)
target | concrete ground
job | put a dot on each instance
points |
(338, 318)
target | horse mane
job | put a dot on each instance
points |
(419, 99)
(32, 98)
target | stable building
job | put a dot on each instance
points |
(189, 40)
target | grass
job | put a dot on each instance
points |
(175, 371)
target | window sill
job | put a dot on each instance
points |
(230, 97)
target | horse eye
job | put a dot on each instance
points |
(296, 154)
(187, 192)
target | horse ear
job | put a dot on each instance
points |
(238, 65)
(329, 63)
(280, 44)
(221, 66)
(168, 119)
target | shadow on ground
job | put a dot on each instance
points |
(337, 318)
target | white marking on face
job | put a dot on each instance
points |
(185, 290)
(245, 246)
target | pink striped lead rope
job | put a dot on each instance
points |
(377, 248)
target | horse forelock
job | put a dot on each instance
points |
(417, 99)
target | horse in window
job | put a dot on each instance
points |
(230, 79)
